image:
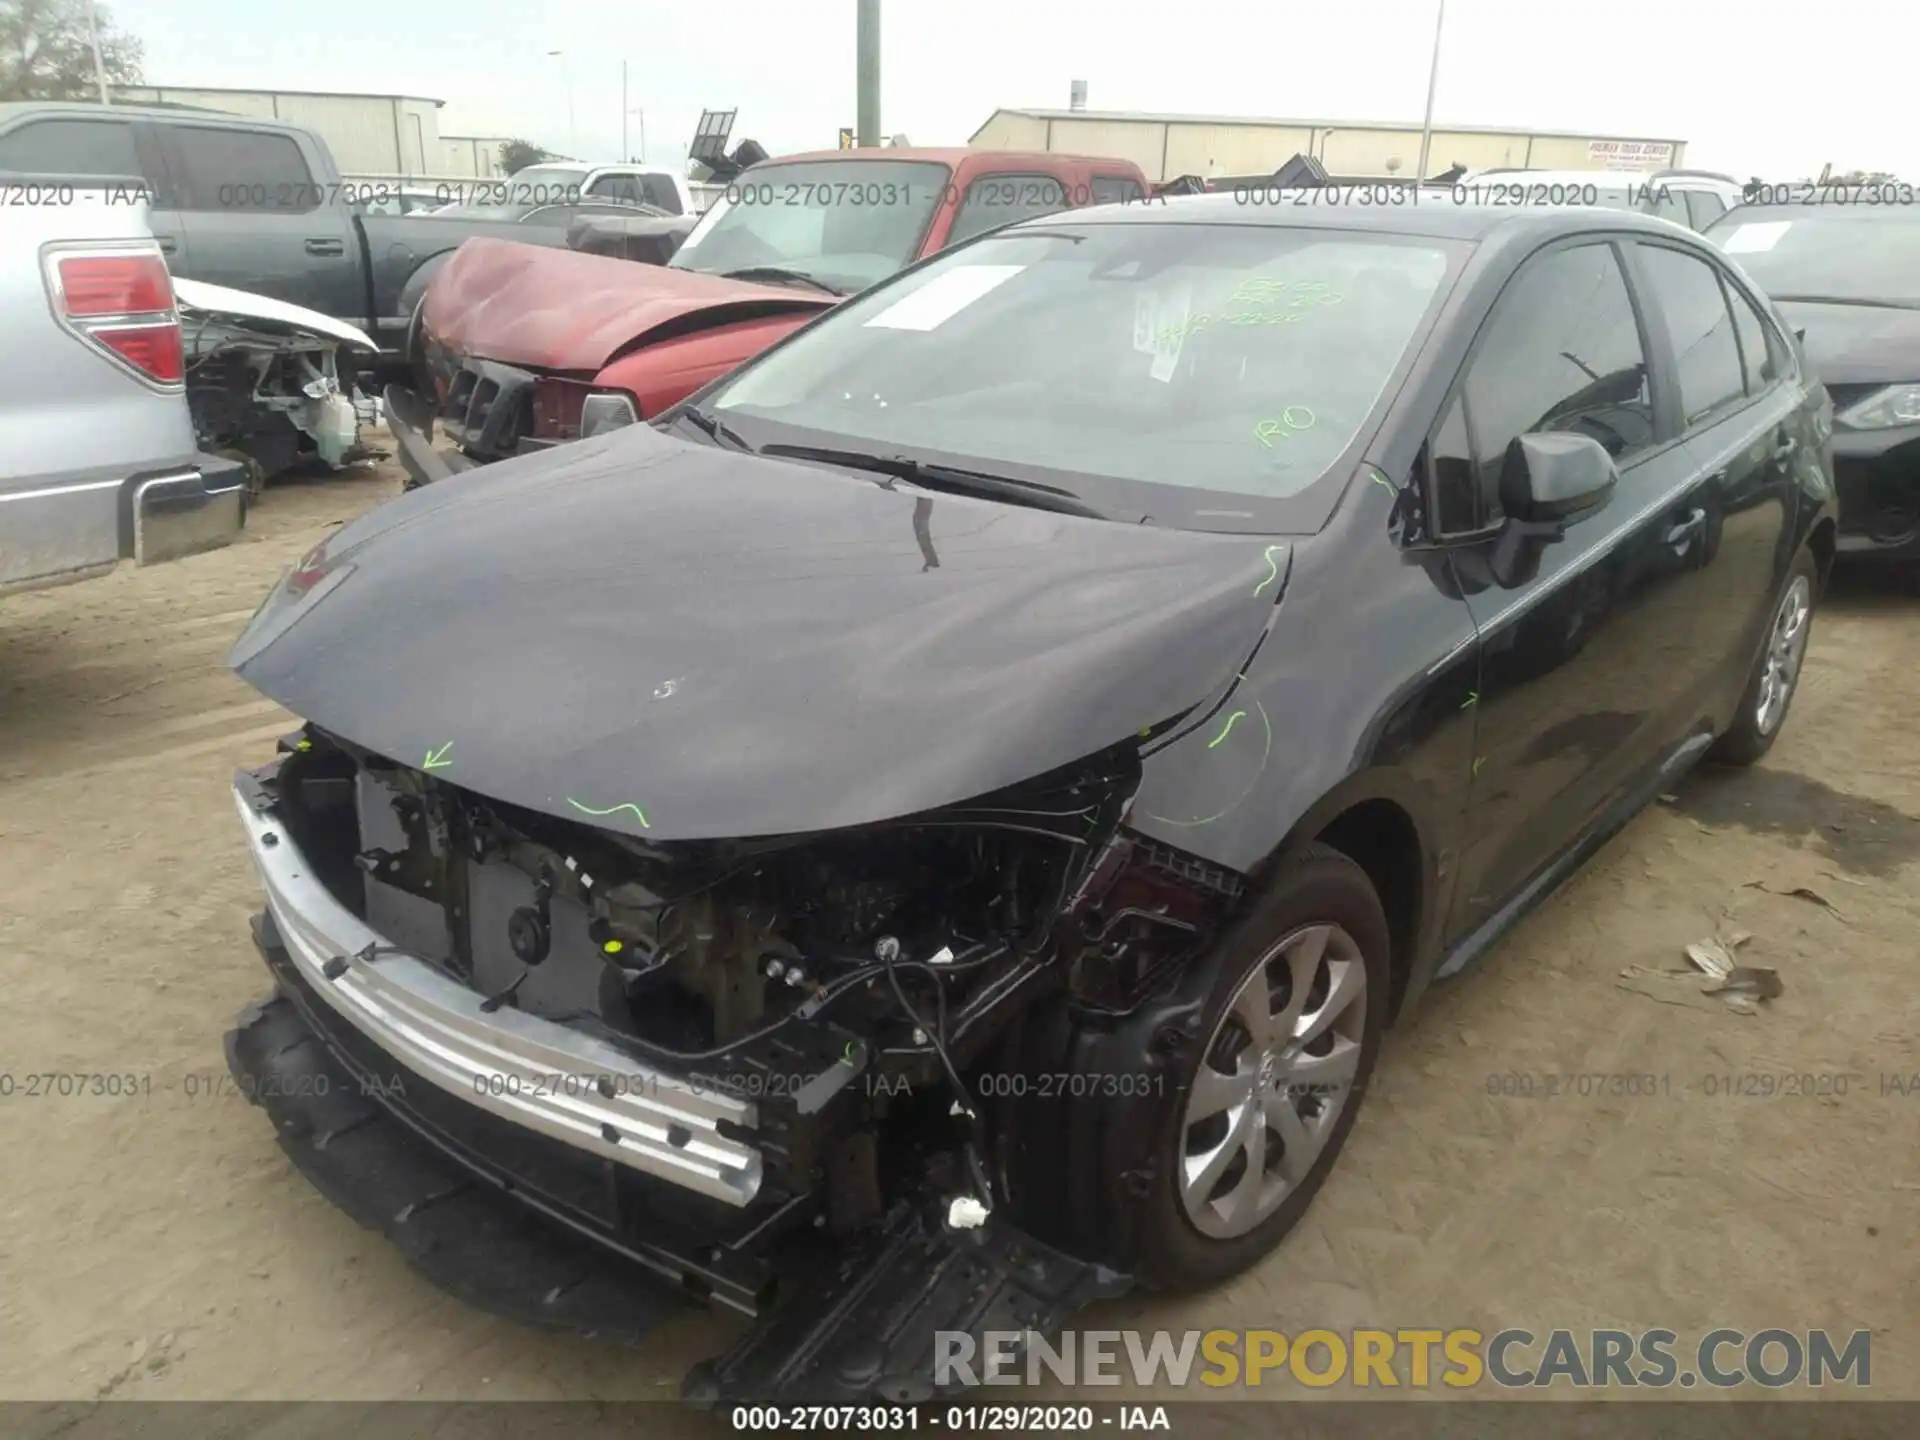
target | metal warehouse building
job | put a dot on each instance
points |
(1169, 146)
(368, 134)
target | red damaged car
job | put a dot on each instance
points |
(521, 347)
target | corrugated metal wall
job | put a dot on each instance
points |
(1166, 149)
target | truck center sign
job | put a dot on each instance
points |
(1631, 154)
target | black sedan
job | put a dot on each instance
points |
(937, 825)
(1845, 271)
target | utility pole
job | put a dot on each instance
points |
(573, 130)
(99, 66)
(1433, 80)
(626, 155)
(867, 45)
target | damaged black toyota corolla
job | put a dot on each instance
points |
(933, 830)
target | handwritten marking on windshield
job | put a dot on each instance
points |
(1270, 292)
(1293, 418)
(638, 814)
(1227, 729)
(1273, 568)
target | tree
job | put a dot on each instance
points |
(46, 51)
(517, 155)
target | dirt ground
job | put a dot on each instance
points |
(157, 1245)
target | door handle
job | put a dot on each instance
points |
(326, 247)
(1681, 533)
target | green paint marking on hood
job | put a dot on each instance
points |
(638, 814)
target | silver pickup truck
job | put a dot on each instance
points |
(97, 456)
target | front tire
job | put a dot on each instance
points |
(1295, 1005)
(1776, 673)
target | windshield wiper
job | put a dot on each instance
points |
(714, 428)
(929, 476)
(1850, 300)
(778, 272)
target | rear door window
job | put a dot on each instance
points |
(1686, 291)
(993, 200)
(71, 147)
(1761, 349)
(658, 190)
(241, 170)
(1705, 207)
(624, 188)
(1670, 204)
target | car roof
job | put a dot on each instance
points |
(1848, 202)
(1445, 215)
(1605, 179)
(1653, 180)
(178, 114)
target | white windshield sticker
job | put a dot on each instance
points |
(1749, 238)
(1146, 314)
(1171, 336)
(943, 297)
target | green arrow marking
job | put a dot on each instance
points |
(437, 759)
(1471, 700)
(611, 810)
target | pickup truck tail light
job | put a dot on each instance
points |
(120, 302)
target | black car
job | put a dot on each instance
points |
(1843, 267)
(935, 828)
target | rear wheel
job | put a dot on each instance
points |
(1776, 674)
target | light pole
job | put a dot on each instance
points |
(93, 37)
(867, 72)
(1433, 79)
(573, 132)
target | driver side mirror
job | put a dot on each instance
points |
(1548, 481)
(1556, 477)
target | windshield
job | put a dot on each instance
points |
(1180, 370)
(845, 223)
(1848, 252)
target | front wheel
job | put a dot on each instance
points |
(1776, 674)
(1295, 1003)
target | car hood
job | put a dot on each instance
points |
(550, 309)
(260, 312)
(687, 642)
(1857, 344)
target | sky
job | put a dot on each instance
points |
(1775, 91)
